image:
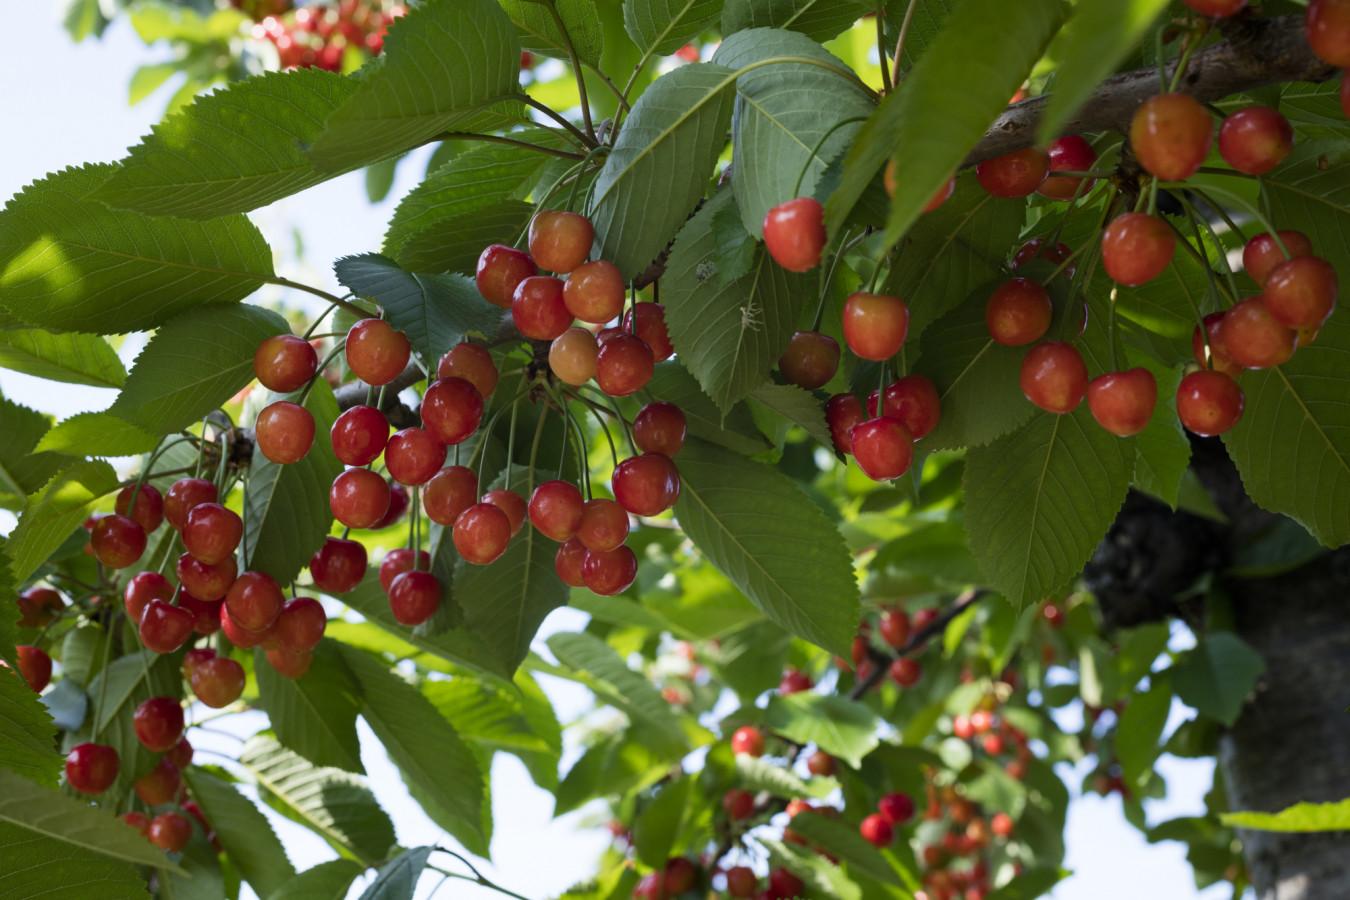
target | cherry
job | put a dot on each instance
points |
(1209, 403)
(301, 624)
(981, 721)
(239, 636)
(897, 808)
(783, 885)
(158, 722)
(647, 484)
(1219, 9)
(194, 657)
(842, 412)
(160, 785)
(289, 663)
(398, 505)
(338, 566)
(205, 613)
(741, 881)
(1018, 312)
(34, 665)
(359, 498)
(889, 182)
(538, 309)
(359, 435)
(794, 233)
(181, 755)
(568, 562)
(149, 508)
(284, 432)
(1002, 824)
(212, 532)
(218, 682)
(183, 495)
(906, 672)
(609, 572)
(555, 509)
(117, 541)
(876, 830)
(624, 365)
(651, 328)
(1070, 153)
(376, 351)
(560, 241)
(165, 628)
(510, 503)
(1055, 253)
(1218, 358)
(169, 831)
(604, 525)
(1253, 337)
(1122, 402)
(398, 561)
(659, 428)
(448, 493)
(594, 292)
(92, 768)
(1255, 140)
(38, 606)
(1262, 254)
(414, 597)
(481, 533)
(500, 270)
(680, 875)
(883, 447)
(1054, 377)
(925, 617)
(819, 763)
(913, 401)
(875, 325)
(137, 820)
(1301, 292)
(794, 681)
(572, 356)
(894, 627)
(810, 360)
(1136, 248)
(652, 886)
(473, 363)
(284, 362)
(748, 740)
(1328, 30)
(1170, 135)
(1015, 174)
(141, 589)
(738, 803)
(413, 456)
(451, 409)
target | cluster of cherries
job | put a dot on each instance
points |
(320, 34)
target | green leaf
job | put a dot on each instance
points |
(756, 526)
(202, 878)
(69, 263)
(98, 434)
(817, 19)
(9, 618)
(54, 512)
(197, 164)
(926, 23)
(516, 719)
(437, 766)
(735, 430)
(339, 807)
(1217, 675)
(147, 79)
(243, 832)
(1139, 734)
(843, 841)
(841, 727)
(29, 734)
(397, 879)
(22, 470)
(1032, 883)
(661, 162)
(797, 406)
(171, 22)
(729, 334)
(660, 27)
(1301, 817)
(1162, 450)
(1310, 192)
(315, 715)
(658, 824)
(756, 774)
(1038, 501)
(326, 881)
(435, 311)
(1098, 37)
(539, 32)
(456, 244)
(130, 680)
(782, 113)
(442, 63)
(821, 877)
(287, 505)
(34, 865)
(71, 358)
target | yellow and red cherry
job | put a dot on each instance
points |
(1070, 153)
(875, 325)
(1262, 253)
(413, 455)
(359, 498)
(604, 525)
(647, 484)
(183, 495)
(414, 597)
(810, 360)
(538, 309)
(1302, 292)
(820, 763)
(289, 663)
(34, 665)
(1123, 402)
(568, 562)
(240, 637)
(651, 328)
(1253, 337)
(148, 511)
(376, 351)
(555, 509)
(212, 532)
(158, 723)
(284, 362)
(500, 270)
(473, 363)
(1217, 358)
(624, 365)
(1054, 377)
(1327, 25)
(794, 233)
(609, 572)
(1255, 139)
(1018, 312)
(594, 292)
(449, 492)
(1170, 135)
(301, 624)
(659, 427)
(842, 412)
(284, 431)
(452, 408)
(359, 435)
(883, 448)
(218, 682)
(118, 541)
(481, 533)
(400, 560)
(572, 356)
(92, 768)
(204, 581)
(1015, 174)
(1136, 248)
(510, 503)
(560, 241)
(1209, 403)
(144, 587)
(338, 566)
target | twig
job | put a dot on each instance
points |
(881, 661)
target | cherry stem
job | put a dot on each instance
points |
(1068, 260)
(586, 140)
(815, 151)
(318, 373)
(604, 427)
(334, 299)
(576, 67)
(904, 32)
(318, 320)
(1193, 39)
(882, 59)
(1241, 201)
(534, 450)
(511, 442)
(880, 661)
(845, 247)
(477, 875)
(1202, 259)
(583, 463)
(1196, 222)
(1234, 173)
(415, 526)
(484, 433)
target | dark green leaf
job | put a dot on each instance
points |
(1139, 734)
(660, 27)
(397, 879)
(817, 19)
(843, 841)
(314, 715)
(735, 430)
(456, 244)
(202, 878)
(1162, 449)
(23, 472)
(797, 406)
(54, 512)
(326, 881)
(242, 830)
(71, 358)
(1310, 192)
(1217, 675)
(839, 726)
(658, 824)
(29, 735)
(34, 865)
(539, 32)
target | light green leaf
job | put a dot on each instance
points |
(1139, 734)
(817, 19)
(34, 865)
(518, 719)
(315, 715)
(1301, 817)
(660, 27)
(54, 512)
(735, 430)
(98, 434)
(397, 879)
(165, 22)
(658, 823)
(796, 406)
(539, 32)
(147, 79)
(71, 358)
(23, 469)
(1217, 676)
(841, 727)
(821, 877)
(843, 841)
(1162, 449)
(756, 774)
(202, 878)
(243, 832)
(326, 881)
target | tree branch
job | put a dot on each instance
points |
(881, 661)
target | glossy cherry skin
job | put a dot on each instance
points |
(1255, 140)
(452, 408)
(481, 533)
(169, 831)
(1217, 358)
(165, 628)
(875, 325)
(555, 509)
(594, 292)
(359, 435)
(1070, 153)
(398, 561)
(449, 492)
(510, 503)
(681, 875)
(659, 428)
(289, 663)
(572, 356)
(1262, 254)
(137, 820)
(414, 597)
(810, 360)
(413, 456)
(1136, 248)
(604, 525)
(897, 808)
(338, 566)
(1015, 174)
(158, 722)
(883, 448)
(92, 768)
(894, 627)
(1056, 253)
(237, 635)
(141, 589)
(560, 241)
(1302, 292)
(571, 556)
(1217, 8)
(842, 412)
(1054, 377)
(1018, 312)
(1254, 338)
(149, 510)
(218, 682)
(783, 885)
(205, 613)
(284, 432)
(647, 484)
(1170, 135)
(254, 601)
(1123, 402)
(794, 233)
(212, 532)
(160, 785)
(609, 572)
(473, 363)
(1209, 403)
(905, 671)
(284, 362)
(34, 665)
(748, 740)
(183, 495)
(651, 328)
(1328, 29)
(376, 351)
(38, 606)
(181, 755)
(359, 498)
(820, 763)
(876, 830)
(500, 270)
(624, 365)
(118, 541)
(398, 505)
(913, 401)
(538, 308)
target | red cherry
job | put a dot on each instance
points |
(284, 432)
(38, 606)
(568, 562)
(555, 509)
(92, 768)
(604, 525)
(510, 503)
(738, 803)
(680, 876)
(560, 241)
(1345, 95)
(158, 722)
(169, 831)
(359, 435)
(184, 494)
(1253, 337)
(376, 351)
(842, 412)
(194, 657)
(1054, 377)
(783, 885)
(138, 820)
(1001, 823)
(414, 597)
(451, 410)
(1019, 312)
(1217, 8)
(254, 601)
(1122, 402)
(1070, 153)
(1218, 358)
(1301, 292)
(1262, 254)
(212, 532)
(218, 682)
(338, 566)
(794, 681)
(149, 511)
(160, 785)
(875, 325)
(652, 886)
(413, 456)
(876, 830)
(820, 763)
(141, 589)
(205, 613)
(897, 809)
(651, 329)
(913, 401)
(1055, 253)
(500, 270)
(594, 292)
(624, 365)
(398, 505)
(883, 447)
(481, 533)
(741, 881)
(448, 493)
(284, 362)
(1209, 403)
(205, 582)
(1255, 139)
(359, 498)
(398, 561)
(609, 572)
(647, 484)
(473, 363)
(1170, 135)
(181, 755)
(117, 541)
(1328, 30)
(810, 360)
(748, 740)
(894, 627)
(289, 663)
(572, 356)
(538, 308)
(1136, 248)
(993, 744)
(794, 233)
(906, 672)
(237, 635)
(34, 665)
(301, 624)
(165, 628)
(1015, 174)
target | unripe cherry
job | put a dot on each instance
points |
(284, 432)
(284, 362)
(473, 363)
(1054, 377)
(875, 325)
(376, 351)
(594, 292)
(449, 492)
(794, 233)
